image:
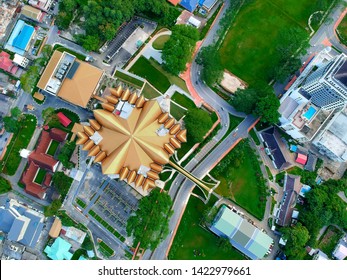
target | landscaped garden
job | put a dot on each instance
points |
(241, 179)
(19, 141)
(64, 49)
(105, 249)
(249, 48)
(193, 242)
(40, 176)
(329, 240)
(52, 147)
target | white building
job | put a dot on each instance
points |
(332, 141)
(21, 60)
(43, 5)
(340, 251)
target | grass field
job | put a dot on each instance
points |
(329, 240)
(183, 101)
(191, 237)
(241, 183)
(19, 141)
(105, 249)
(144, 69)
(5, 185)
(176, 111)
(158, 44)
(149, 92)
(128, 79)
(63, 49)
(254, 137)
(53, 147)
(342, 31)
(249, 46)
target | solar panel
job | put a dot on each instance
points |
(72, 70)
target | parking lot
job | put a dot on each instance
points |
(128, 39)
(116, 204)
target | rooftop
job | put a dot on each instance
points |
(59, 250)
(20, 37)
(69, 78)
(244, 236)
(124, 146)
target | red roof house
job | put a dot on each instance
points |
(64, 120)
(301, 158)
(6, 63)
(39, 159)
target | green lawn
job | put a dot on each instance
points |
(192, 237)
(19, 141)
(63, 49)
(158, 44)
(40, 176)
(269, 174)
(329, 240)
(144, 69)
(129, 79)
(53, 147)
(243, 183)
(342, 30)
(176, 111)
(149, 92)
(183, 100)
(5, 185)
(249, 46)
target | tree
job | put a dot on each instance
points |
(53, 208)
(12, 122)
(46, 51)
(297, 238)
(198, 122)
(65, 154)
(90, 42)
(209, 57)
(245, 100)
(61, 182)
(47, 113)
(267, 108)
(150, 223)
(179, 48)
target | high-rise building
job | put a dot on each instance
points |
(327, 83)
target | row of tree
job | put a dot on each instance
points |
(103, 18)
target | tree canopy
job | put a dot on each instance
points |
(65, 154)
(179, 48)
(245, 100)
(297, 238)
(12, 122)
(209, 57)
(61, 182)
(198, 122)
(103, 18)
(323, 206)
(267, 108)
(150, 223)
(53, 208)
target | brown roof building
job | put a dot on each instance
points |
(132, 138)
(70, 78)
(56, 228)
(38, 159)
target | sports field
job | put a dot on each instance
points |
(249, 46)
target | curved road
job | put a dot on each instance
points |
(181, 187)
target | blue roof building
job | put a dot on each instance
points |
(189, 5)
(59, 250)
(21, 224)
(20, 37)
(208, 4)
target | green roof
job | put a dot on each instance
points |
(59, 250)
